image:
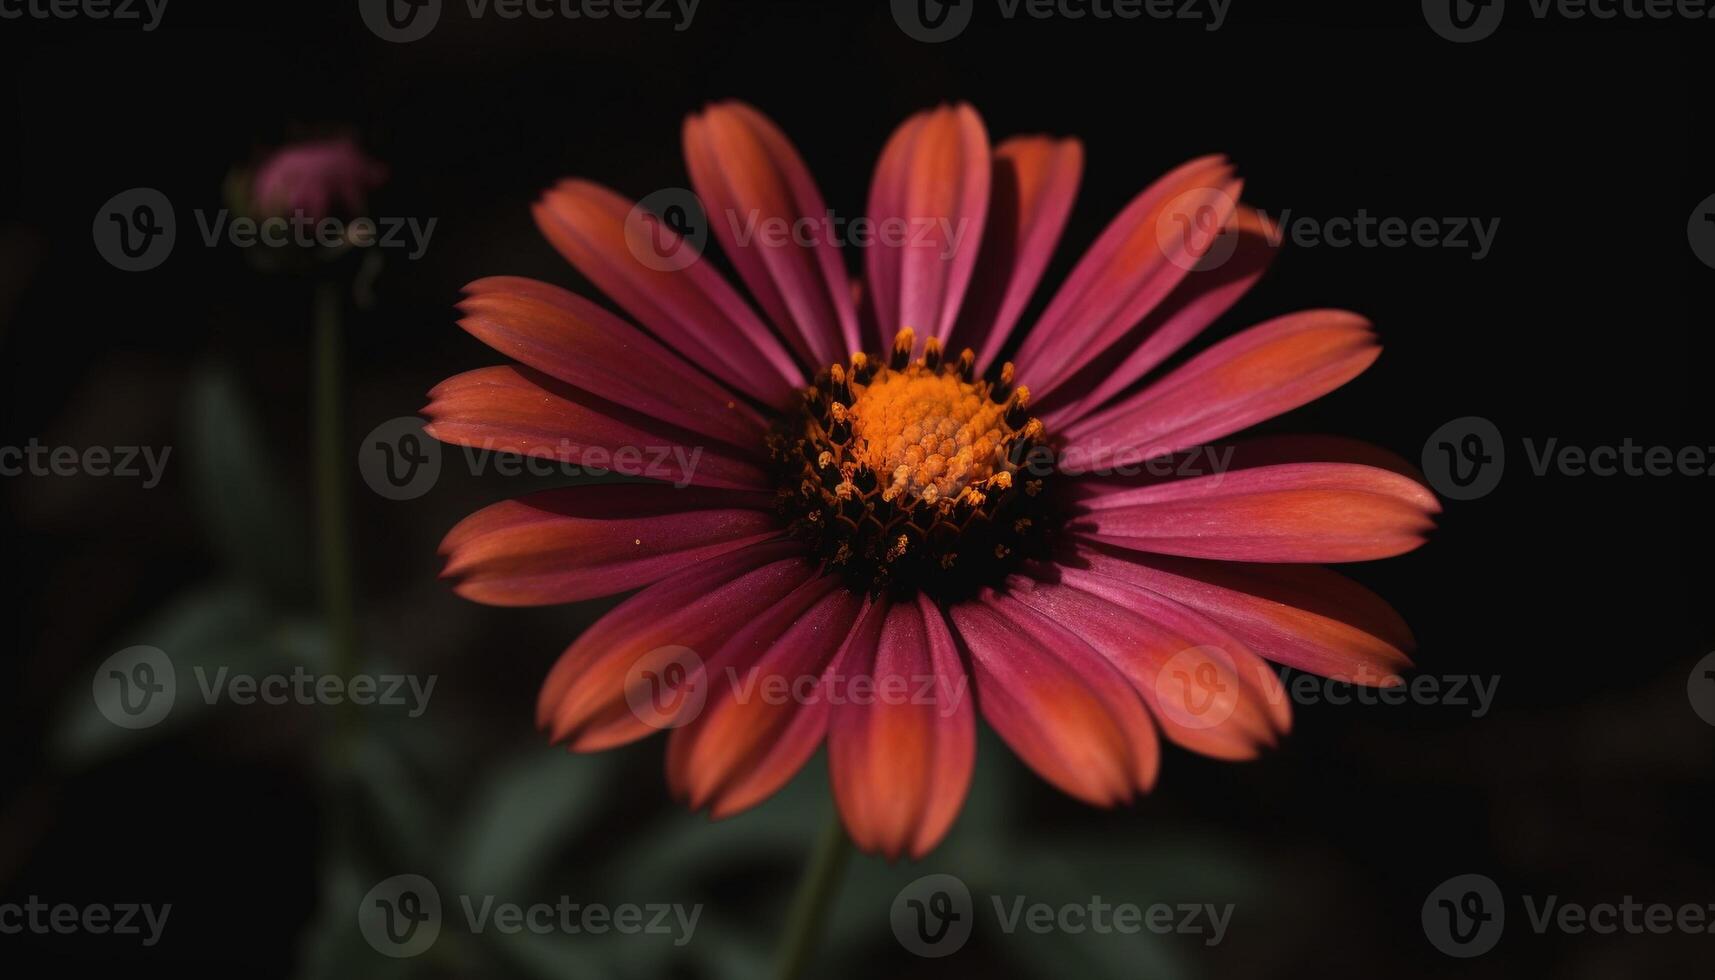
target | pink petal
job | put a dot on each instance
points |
(1204, 688)
(1132, 267)
(929, 194)
(691, 309)
(1243, 380)
(901, 756)
(1201, 298)
(585, 701)
(587, 347)
(1294, 512)
(1064, 709)
(584, 542)
(750, 177)
(519, 410)
(1031, 191)
(1303, 616)
(766, 711)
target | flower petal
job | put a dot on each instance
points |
(766, 712)
(1207, 691)
(1293, 512)
(1201, 298)
(692, 309)
(1031, 191)
(1063, 708)
(927, 203)
(518, 410)
(584, 542)
(750, 178)
(1303, 616)
(1131, 268)
(901, 754)
(1245, 379)
(587, 347)
(584, 701)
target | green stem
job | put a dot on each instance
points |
(332, 520)
(806, 919)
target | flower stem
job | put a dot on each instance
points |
(332, 520)
(815, 898)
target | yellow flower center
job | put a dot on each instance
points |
(926, 434)
(914, 473)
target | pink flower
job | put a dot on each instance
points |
(865, 507)
(319, 179)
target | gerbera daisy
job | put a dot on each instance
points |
(866, 506)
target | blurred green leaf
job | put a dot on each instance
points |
(531, 809)
(247, 514)
(224, 625)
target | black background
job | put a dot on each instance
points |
(1586, 597)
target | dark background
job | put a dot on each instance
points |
(1586, 597)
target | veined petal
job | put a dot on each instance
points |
(1292, 512)
(587, 347)
(927, 202)
(766, 711)
(1245, 379)
(519, 410)
(585, 701)
(693, 309)
(1206, 690)
(1031, 192)
(1064, 709)
(584, 542)
(901, 756)
(751, 179)
(1303, 616)
(1211, 289)
(1148, 249)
